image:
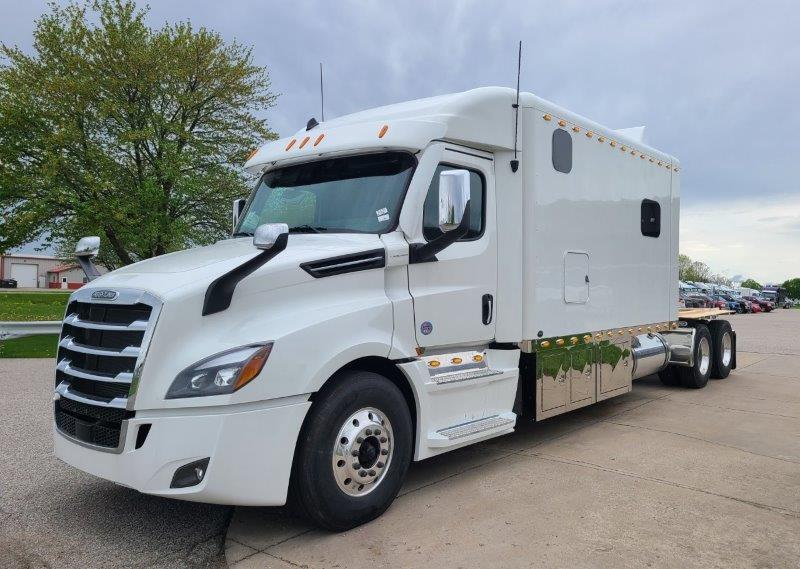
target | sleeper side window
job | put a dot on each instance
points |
(651, 218)
(477, 203)
(562, 151)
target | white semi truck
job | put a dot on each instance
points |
(402, 282)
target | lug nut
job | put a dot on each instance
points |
(354, 453)
(379, 465)
(368, 432)
(360, 440)
(362, 473)
(377, 431)
(356, 466)
(372, 473)
(384, 439)
(384, 452)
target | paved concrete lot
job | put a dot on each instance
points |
(52, 515)
(661, 477)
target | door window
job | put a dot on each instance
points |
(430, 215)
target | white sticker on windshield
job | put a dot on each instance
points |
(382, 211)
(383, 217)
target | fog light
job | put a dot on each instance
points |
(190, 474)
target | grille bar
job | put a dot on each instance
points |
(78, 322)
(65, 367)
(69, 343)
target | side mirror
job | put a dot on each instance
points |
(86, 250)
(268, 234)
(88, 247)
(453, 198)
(238, 208)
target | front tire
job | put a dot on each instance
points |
(353, 453)
(696, 377)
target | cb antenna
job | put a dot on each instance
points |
(515, 162)
(321, 93)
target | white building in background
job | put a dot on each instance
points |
(32, 270)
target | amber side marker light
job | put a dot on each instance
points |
(253, 367)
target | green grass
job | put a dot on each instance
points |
(28, 306)
(29, 347)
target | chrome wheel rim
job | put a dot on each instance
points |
(727, 349)
(705, 355)
(362, 452)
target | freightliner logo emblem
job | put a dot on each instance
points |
(105, 294)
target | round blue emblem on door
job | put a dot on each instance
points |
(426, 328)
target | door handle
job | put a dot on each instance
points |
(488, 308)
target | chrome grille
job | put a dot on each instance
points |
(100, 354)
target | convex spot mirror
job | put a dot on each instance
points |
(267, 235)
(453, 198)
(88, 247)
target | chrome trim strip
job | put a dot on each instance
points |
(135, 326)
(155, 313)
(65, 367)
(69, 343)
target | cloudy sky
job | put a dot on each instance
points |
(716, 84)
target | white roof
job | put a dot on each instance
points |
(483, 118)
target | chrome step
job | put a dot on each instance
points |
(455, 377)
(494, 422)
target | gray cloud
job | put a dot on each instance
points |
(716, 83)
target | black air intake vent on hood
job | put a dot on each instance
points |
(351, 263)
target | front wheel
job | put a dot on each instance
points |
(353, 453)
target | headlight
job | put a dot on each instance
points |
(222, 373)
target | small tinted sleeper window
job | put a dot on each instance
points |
(562, 151)
(651, 218)
(430, 211)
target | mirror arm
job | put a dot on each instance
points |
(426, 252)
(89, 268)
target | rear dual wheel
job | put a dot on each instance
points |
(696, 377)
(722, 348)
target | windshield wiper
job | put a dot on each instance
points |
(306, 229)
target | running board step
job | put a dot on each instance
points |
(492, 426)
(445, 378)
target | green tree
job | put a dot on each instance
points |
(750, 283)
(792, 287)
(117, 129)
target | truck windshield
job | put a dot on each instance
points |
(352, 194)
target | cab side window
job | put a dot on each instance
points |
(477, 202)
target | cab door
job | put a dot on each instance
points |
(455, 296)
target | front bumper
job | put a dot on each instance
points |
(251, 452)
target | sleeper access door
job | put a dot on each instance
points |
(455, 296)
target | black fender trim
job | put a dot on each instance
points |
(220, 292)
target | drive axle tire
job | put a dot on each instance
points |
(669, 376)
(696, 377)
(722, 348)
(353, 452)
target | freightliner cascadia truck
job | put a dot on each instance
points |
(401, 282)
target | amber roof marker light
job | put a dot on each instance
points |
(382, 132)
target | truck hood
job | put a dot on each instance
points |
(187, 270)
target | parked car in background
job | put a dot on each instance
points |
(8, 283)
(755, 307)
(730, 302)
(765, 305)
